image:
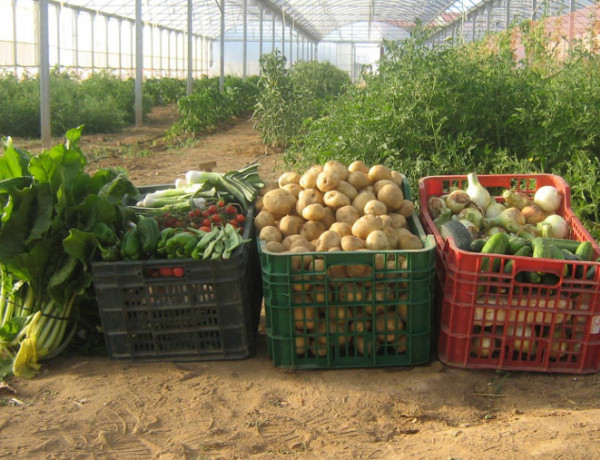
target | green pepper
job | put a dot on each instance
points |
(181, 244)
(131, 247)
(110, 253)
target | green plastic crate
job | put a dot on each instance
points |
(349, 309)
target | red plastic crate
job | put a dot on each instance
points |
(490, 320)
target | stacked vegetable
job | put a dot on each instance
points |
(334, 208)
(201, 217)
(516, 224)
(541, 310)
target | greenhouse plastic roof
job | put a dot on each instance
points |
(315, 20)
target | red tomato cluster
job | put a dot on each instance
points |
(166, 272)
(219, 213)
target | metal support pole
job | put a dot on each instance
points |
(106, 20)
(190, 53)
(283, 33)
(58, 10)
(93, 20)
(488, 19)
(120, 47)
(222, 57)
(571, 23)
(292, 42)
(139, 62)
(273, 33)
(44, 75)
(245, 41)
(14, 18)
(507, 14)
(260, 39)
(75, 35)
(474, 24)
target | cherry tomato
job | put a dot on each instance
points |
(178, 271)
(205, 229)
(234, 222)
(241, 218)
(212, 209)
(221, 203)
(216, 219)
(231, 210)
(191, 214)
(166, 271)
(198, 212)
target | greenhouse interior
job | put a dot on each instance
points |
(300, 229)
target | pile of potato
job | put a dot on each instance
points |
(361, 309)
(334, 207)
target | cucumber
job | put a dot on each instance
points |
(585, 251)
(462, 238)
(525, 251)
(496, 244)
(515, 243)
(477, 245)
(562, 243)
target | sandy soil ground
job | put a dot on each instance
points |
(84, 406)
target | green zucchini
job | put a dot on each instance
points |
(462, 238)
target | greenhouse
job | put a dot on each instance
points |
(300, 229)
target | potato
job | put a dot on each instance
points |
(335, 199)
(327, 181)
(397, 178)
(290, 225)
(380, 183)
(270, 233)
(258, 204)
(402, 232)
(294, 189)
(362, 199)
(347, 189)
(314, 211)
(269, 185)
(300, 262)
(311, 230)
(365, 225)
(347, 214)
(342, 228)
(387, 220)
(264, 219)
(375, 207)
(319, 294)
(386, 328)
(301, 345)
(350, 292)
(358, 271)
(376, 241)
(334, 328)
(302, 243)
(288, 240)
(336, 167)
(328, 239)
(410, 242)
(279, 202)
(288, 178)
(358, 180)
(391, 196)
(309, 178)
(352, 243)
(391, 236)
(275, 246)
(304, 318)
(406, 208)
(379, 172)
(336, 272)
(329, 217)
(358, 166)
(317, 265)
(306, 197)
(397, 220)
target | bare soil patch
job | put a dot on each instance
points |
(92, 407)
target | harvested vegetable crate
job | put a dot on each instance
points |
(349, 309)
(494, 319)
(198, 310)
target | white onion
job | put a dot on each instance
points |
(554, 226)
(494, 209)
(548, 198)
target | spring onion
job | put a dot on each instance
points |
(477, 192)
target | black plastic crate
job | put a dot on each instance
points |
(210, 313)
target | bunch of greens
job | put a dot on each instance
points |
(53, 221)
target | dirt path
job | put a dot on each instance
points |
(92, 407)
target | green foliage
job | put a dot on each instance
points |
(289, 97)
(166, 90)
(455, 109)
(207, 106)
(103, 103)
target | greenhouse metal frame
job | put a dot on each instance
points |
(189, 39)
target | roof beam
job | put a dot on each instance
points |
(277, 11)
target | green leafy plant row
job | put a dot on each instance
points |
(207, 106)
(288, 97)
(103, 103)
